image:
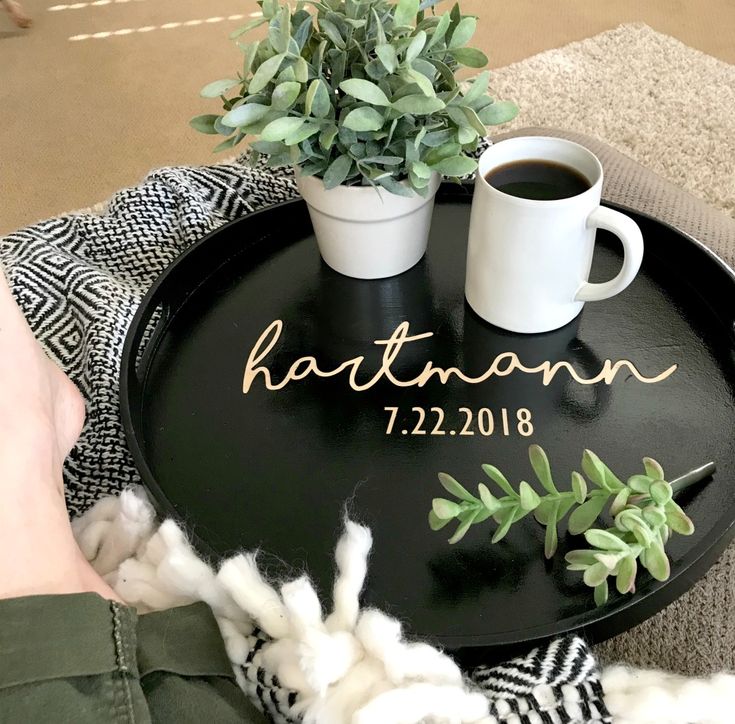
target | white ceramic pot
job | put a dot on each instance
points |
(366, 234)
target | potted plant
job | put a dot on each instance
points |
(359, 96)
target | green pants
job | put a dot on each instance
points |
(82, 659)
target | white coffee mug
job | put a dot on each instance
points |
(528, 261)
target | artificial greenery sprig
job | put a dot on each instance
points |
(643, 510)
(359, 92)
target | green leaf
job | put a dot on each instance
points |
(508, 521)
(387, 55)
(251, 51)
(579, 487)
(657, 562)
(498, 112)
(654, 516)
(478, 88)
(301, 70)
(455, 166)
(205, 124)
(383, 160)
(587, 513)
(643, 534)
(601, 594)
(364, 119)
(395, 187)
(463, 33)
(265, 73)
(270, 8)
(470, 57)
(625, 580)
(490, 502)
(245, 115)
(337, 172)
(565, 505)
(580, 559)
(678, 520)
(653, 469)
(474, 121)
(347, 136)
(307, 130)
(529, 497)
(279, 129)
(332, 32)
(424, 84)
(464, 526)
(544, 510)
(603, 476)
(421, 170)
(440, 31)
(301, 36)
(218, 87)
(445, 509)
(415, 47)
(418, 105)
(436, 523)
(551, 538)
(380, 31)
(247, 27)
(540, 465)
(605, 541)
(610, 560)
(640, 483)
(499, 479)
(661, 492)
(327, 136)
(620, 501)
(221, 128)
(269, 148)
(317, 99)
(228, 143)
(285, 95)
(365, 90)
(279, 32)
(435, 139)
(593, 468)
(596, 574)
(405, 13)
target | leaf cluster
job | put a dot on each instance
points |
(359, 92)
(643, 511)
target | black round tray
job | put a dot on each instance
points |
(278, 469)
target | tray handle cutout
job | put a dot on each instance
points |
(147, 339)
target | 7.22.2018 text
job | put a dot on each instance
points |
(483, 421)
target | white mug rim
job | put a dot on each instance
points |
(484, 168)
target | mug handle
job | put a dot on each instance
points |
(628, 232)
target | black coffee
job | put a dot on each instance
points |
(538, 180)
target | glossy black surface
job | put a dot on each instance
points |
(277, 469)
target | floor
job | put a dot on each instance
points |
(98, 92)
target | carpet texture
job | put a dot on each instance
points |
(667, 106)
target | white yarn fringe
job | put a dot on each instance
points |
(353, 666)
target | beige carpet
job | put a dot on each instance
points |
(668, 106)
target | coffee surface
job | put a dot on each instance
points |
(538, 180)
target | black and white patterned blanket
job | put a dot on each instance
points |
(79, 279)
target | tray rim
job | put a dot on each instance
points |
(595, 624)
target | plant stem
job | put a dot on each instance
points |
(692, 478)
